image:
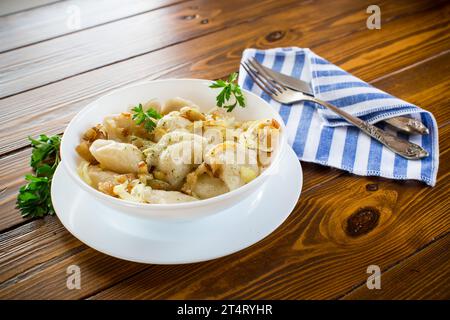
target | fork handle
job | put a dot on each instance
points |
(400, 146)
(407, 125)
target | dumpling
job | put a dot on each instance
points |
(201, 184)
(118, 157)
(162, 196)
(261, 134)
(138, 192)
(175, 104)
(179, 114)
(97, 175)
(175, 155)
(219, 127)
(175, 162)
(154, 151)
(233, 163)
(174, 121)
(208, 187)
(121, 127)
(100, 179)
(153, 104)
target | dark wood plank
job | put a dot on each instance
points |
(424, 275)
(309, 256)
(51, 21)
(310, 245)
(98, 272)
(75, 53)
(423, 84)
(32, 246)
(12, 171)
(413, 84)
(45, 244)
(41, 240)
(216, 55)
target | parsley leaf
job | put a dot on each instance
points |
(145, 117)
(34, 198)
(45, 149)
(230, 88)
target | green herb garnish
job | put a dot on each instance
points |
(34, 198)
(230, 88)
(146, 117)
(45, 151)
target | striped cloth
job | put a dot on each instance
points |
(318, 135)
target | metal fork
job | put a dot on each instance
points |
(399, 123)
(285, 95)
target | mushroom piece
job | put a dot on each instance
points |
(192, 114)
(83, 150)
(91, 134)
(121, 127)
(159, 184)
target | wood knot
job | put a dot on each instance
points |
(190, 17)
(204, 21)
(372, 187)
(362, 221)
(275, 36)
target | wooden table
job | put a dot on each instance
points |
(49, 70)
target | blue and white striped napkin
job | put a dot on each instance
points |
(318, 135)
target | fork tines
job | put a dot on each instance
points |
(261, 79)
(260, 69)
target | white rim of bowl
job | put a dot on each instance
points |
(186, 205)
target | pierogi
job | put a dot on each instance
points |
(186, 155)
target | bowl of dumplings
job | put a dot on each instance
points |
(163, 150)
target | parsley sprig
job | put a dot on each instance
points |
(34, 198)
(230, 88)
(146, 117)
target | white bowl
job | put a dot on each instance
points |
(195, 90)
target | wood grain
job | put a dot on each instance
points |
(315, 253)
(12, 171)
(309, 256)
(424, 275)
(8, 7)
(33, 245)
(62, 57)
(423, 84)
(43, 23)
(52, 106)
(38, 241)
